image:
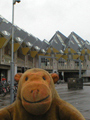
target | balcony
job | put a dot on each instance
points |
(71, 67)
(29, 64)
(47, 67)
(20, 62)
(6, 60)
(64, 67)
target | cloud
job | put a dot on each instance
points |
(43, 18)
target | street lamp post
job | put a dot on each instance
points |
(12, 55)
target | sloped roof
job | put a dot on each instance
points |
(74, 43)
(58, 44)
(5, 28)
(20, 35)
(30, 40)
(45, 45)
(87, 44)
(58, 41)
(1, 18)
(37, 45)
(81, 40)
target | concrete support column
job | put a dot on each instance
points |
(15, 69)
(26, 60)
(34, 63)
(72, 64)
(15, 61)
(36, 60)
(55, 67)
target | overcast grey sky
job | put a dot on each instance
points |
(43, 18)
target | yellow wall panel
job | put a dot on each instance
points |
(75, 56)
(65, 57)
(83, 51)
(33, 53)
(40, 54)
(2, 41)
(16, 46)
(58, 56)
(82, 58)
(55, 50)
(88, 51)
(72, 51)
(49, 50)
(66, 50)
(25, 50)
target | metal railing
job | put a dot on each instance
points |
(20, 63)
(6, 60)
(29, 64)
(65, 67)
(47, 67)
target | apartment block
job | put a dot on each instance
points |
(68, 56)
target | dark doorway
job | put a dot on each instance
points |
(60, 76)
(3, 74)
(70, 75)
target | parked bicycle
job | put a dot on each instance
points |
(4, 88)
(15, 90)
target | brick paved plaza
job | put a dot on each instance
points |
(78, 98)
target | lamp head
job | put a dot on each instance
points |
(18, 1)
(14, 1)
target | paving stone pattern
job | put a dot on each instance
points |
(78, 98)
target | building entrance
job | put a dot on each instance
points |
(3, 74)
